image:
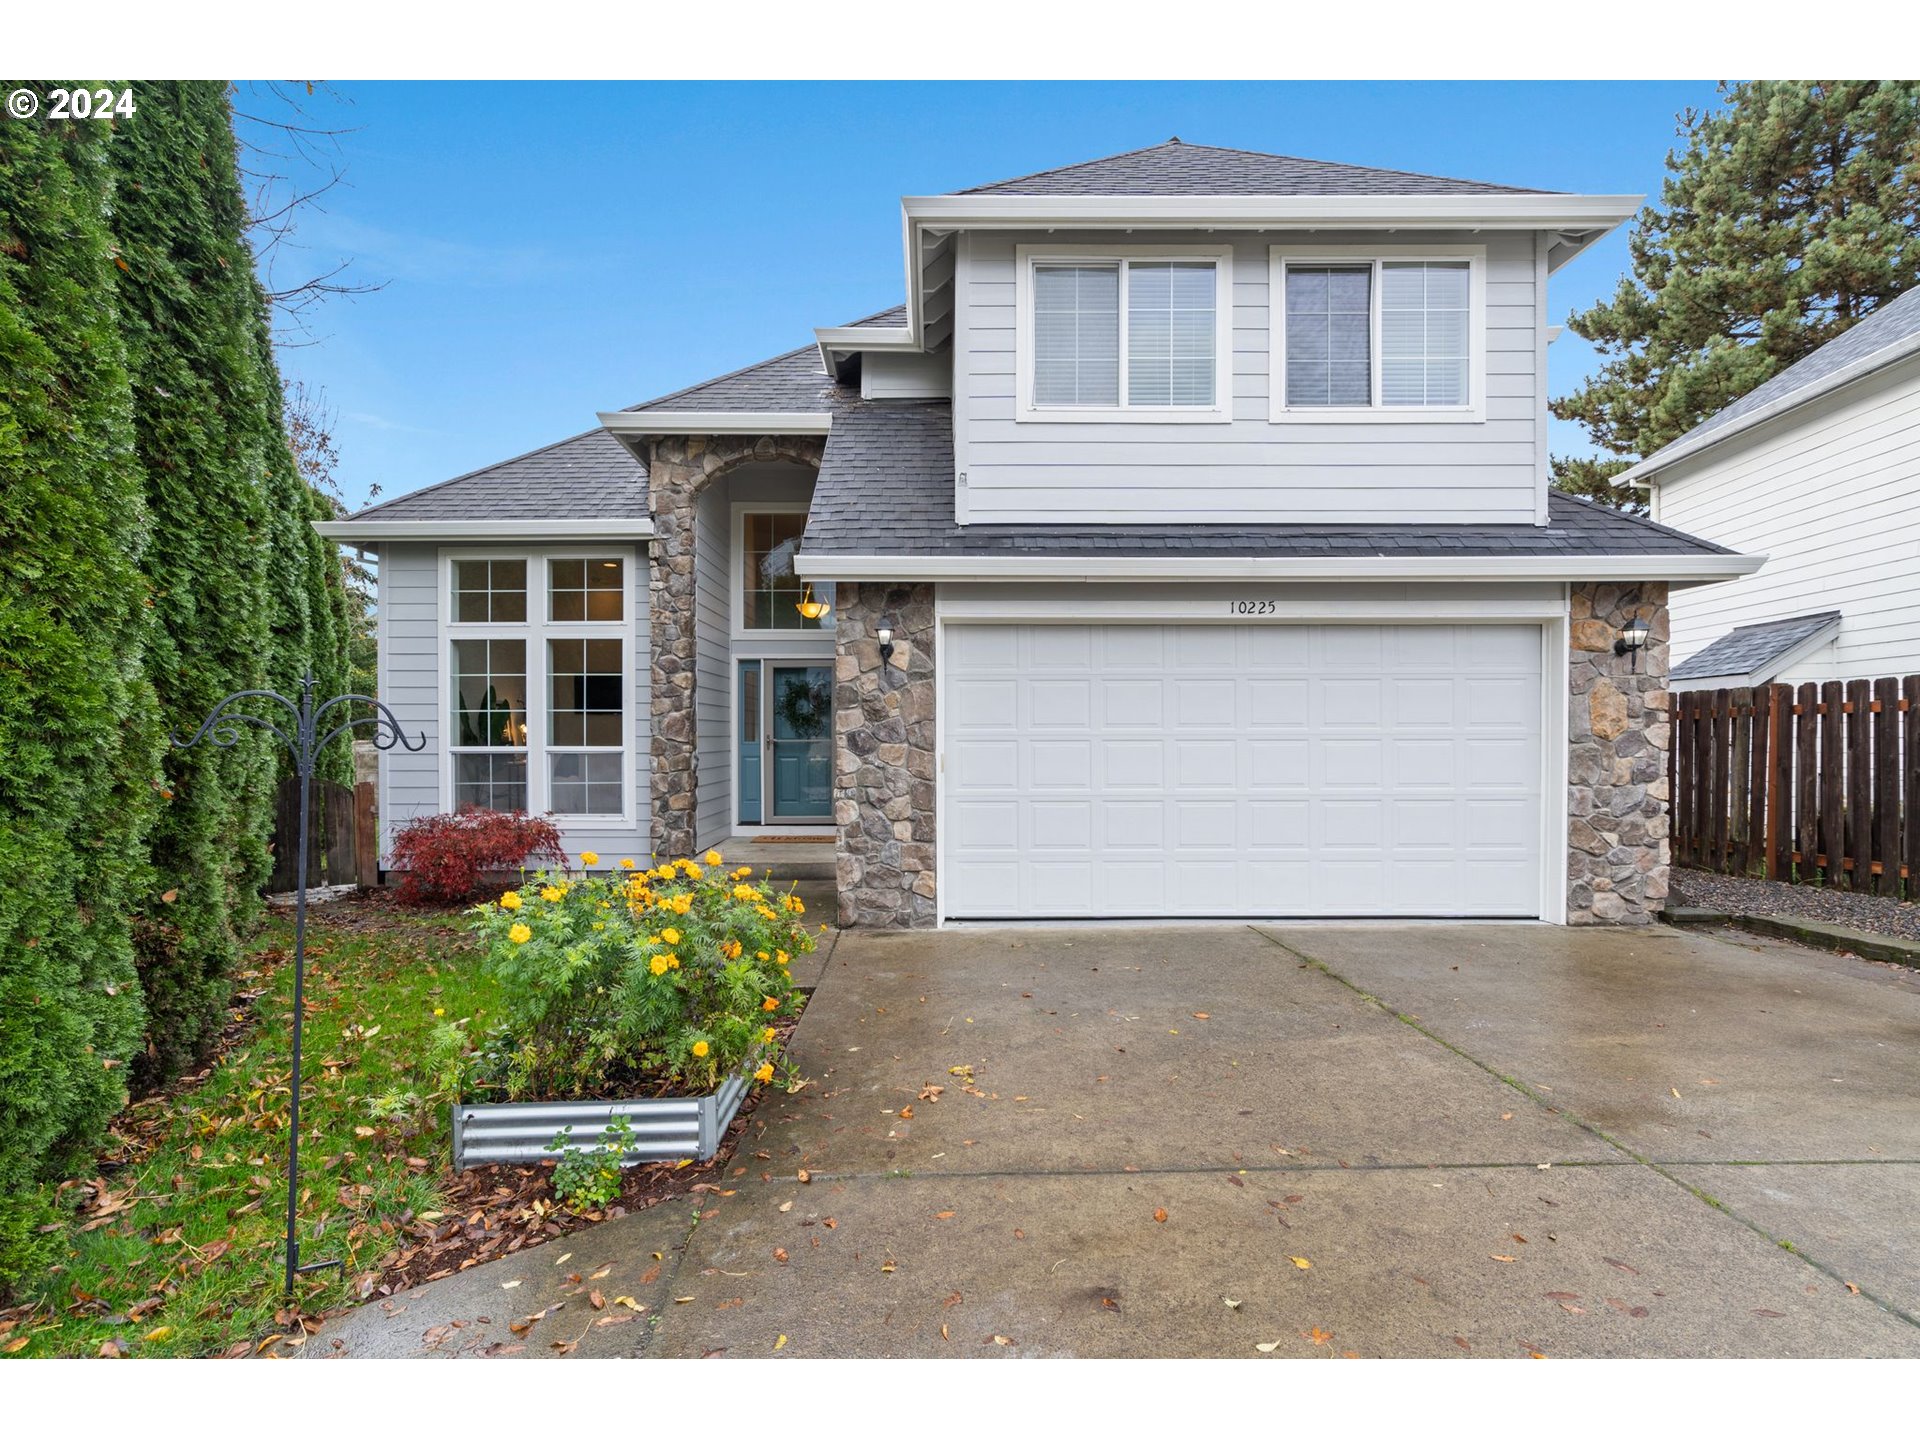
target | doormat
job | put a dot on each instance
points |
(791, 840)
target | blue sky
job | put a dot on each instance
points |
(550, 250)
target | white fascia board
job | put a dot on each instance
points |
(834, 340)
(1685, 569)
(1860, 369)
(586, 528)
(1326, 212)
(716, 422)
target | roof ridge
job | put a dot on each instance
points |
(733, 374)
(1251, 154)
(481, 470)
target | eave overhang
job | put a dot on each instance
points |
(586, 527)
(626, 423)
(1673, 569)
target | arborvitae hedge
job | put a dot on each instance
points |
(78, 733)
(205, 412)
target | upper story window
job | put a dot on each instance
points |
(1115, 333)
(1381, 334)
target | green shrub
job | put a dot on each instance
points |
(78, 735)
(667, 978)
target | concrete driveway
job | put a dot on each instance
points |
(1411, 1140)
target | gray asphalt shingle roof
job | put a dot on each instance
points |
(1895, 323)
(587, 476)
(793, 381)
(1177, 168)
(886, 488)
(1752, 649)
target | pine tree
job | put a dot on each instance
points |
(1787, 215)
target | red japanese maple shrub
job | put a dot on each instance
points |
(447, 858)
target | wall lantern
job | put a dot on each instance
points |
(810, 608)
(885, 637)
(1633, 639)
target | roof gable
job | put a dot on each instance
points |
(1177, 168)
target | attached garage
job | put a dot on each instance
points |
(1243, 769)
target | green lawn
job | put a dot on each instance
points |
(185, 1257)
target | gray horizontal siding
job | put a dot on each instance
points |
(1248, 469)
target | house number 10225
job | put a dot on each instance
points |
(1253, 607)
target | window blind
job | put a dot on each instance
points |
(1076, 335)
(1329, 335)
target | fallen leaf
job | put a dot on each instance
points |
(943, 1333)
(1317, 1335)
(629, 1302)
(1000, 1340)
(1267, 1347)
(1160, 1215)
(888, 1268)
(1300, 1262)
(159, 1332)
(1619, 1265)
(1770, 1314)
(780, 1343)
(1201, 1015)
(1852, 1289)
(906, 1112)
(805, 1177)
(951, 1300)
(17, 1344)
(596, 1300)
(114, 1350)
(780, 1255)
(1461, 1341)
(786, 1207)
(1230, 1304)
(1561, 1295)
(943, 1215)
(1503, 1259)
(1674, 1092)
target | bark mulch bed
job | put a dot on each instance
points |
(1742, 895)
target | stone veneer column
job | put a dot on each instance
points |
(883, 785)
(1618, 737)
(679, 467)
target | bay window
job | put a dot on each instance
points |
(538, 687)
(1111, 333)
(1380, 334)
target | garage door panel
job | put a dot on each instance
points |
(1263, 770)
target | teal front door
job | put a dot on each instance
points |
(799, 733)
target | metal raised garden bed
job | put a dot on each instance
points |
(685, 1128)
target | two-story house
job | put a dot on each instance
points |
(1182, 546)
(1819, 468)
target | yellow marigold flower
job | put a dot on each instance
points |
(769, 1004)
(673, 962)
(763, 954)
(693, 871)
(520, 934)
(552, 894)
(782, 957)
(764, 1074)
(765, 912)
(743, 872)
(587, 857)
(745, 892)
(626, 864)
(713, 857)
(658, 964)
(766, 1035)
(670, 935)
(510, 900)
(599, 924)
(799, 906)
(700, 1048)
(437, 1011)
(731, 950)
(682, 904)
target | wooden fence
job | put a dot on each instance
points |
(343, 842)
(1819, 786)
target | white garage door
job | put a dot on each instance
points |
(1259, 770)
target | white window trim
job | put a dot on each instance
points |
(737, 578)
(536, 631)
(1218, 413)
(1473, 413)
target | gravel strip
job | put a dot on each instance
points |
(1737, 894)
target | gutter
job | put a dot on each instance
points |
(585, 528)
(1699, 569)
(716, 422)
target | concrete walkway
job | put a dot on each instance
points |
(1411, 1140)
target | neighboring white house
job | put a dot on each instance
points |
(1819, 469)
(1189, 549)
